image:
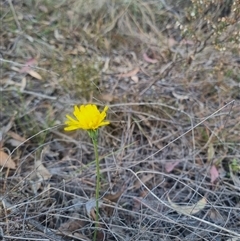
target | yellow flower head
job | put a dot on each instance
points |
(88, 117)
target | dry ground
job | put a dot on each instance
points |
(170, 159)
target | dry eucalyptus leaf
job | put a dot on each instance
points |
(72, 224)
(15, 69)
(215, 215)
(6, 160)
(129, 74)
(28, 66)
(191, 209)
(107, 97)
(149, 60)
(39, 174)
(180, 95)
(81, 49)
(144, 179)
(135, 79)
(171, 42)
(34, 74)
(214, 173)
(16, 136)
(35, 185)
(42, 171)
(169, 166)
(74, 235)
(14, 142)
(114, 197)
(16, 139)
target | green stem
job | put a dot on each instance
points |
(95, 145)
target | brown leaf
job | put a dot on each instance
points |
(28, 66)
(129, 74)
(15, 68)
(214, 173)
(6, 161)
(149, 60)
(169, 166)
(180, 95)
(171, 42)
(114, 197)
(75, 235)
(72, 224)
(34, 74)
(14, 142)
(81, 49)
(144, 179)
(215, 215)
(135, 78)
(107, 97)
(39, 174)
(17, 137)
(190, 209)
(41, 171)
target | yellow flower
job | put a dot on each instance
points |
(88, 117)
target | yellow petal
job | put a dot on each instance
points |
(70, 120)
(105, 108)
(88, 117)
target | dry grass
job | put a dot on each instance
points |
(169, 71)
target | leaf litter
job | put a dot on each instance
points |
(172, 79)
(6, 161)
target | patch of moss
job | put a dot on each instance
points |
(81, 79)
